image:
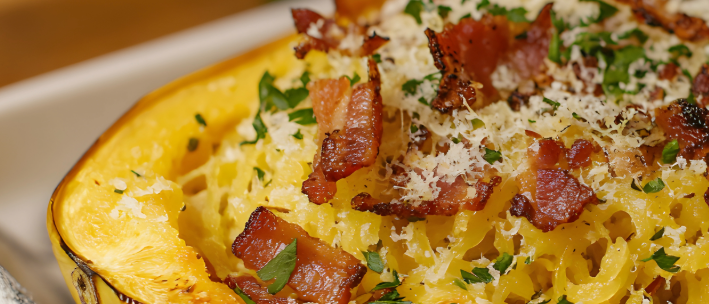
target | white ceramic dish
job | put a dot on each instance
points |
(47, 122)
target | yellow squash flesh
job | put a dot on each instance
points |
(104, 253)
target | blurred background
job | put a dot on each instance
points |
(70, 68)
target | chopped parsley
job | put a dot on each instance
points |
(377, 58)
(260, 128)
(637, 33)
(577, 117)
(298, 135)
(459, 283)
(465, 16)
(280, 268)
(517, 14)
(409, 87)
(531, 121)
(491, 156)
(552, 103)
(617, 70)
(521, 36)
(355, 79)
(482, 4)
(413, 128)
(554, 47)
(457, 139)
(503, 262)
(443, 11)
(679, 51)
(414, 9)
(269, 95)
(664, 261)
(658, 234)
(605, 11)
(478, 275)
(295, 96)
(528, 260)
(651, 187)
(392, 284)
(562, 300)
(374, 261)
(118, 191)
(424, 101)
(305, 78)
(200, 120)
(303, 117)
(669, 152)
(259, 173)
(243, 296)
(136, 173)
(477, 123)
(192, 144)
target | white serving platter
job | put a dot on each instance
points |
(47, 122)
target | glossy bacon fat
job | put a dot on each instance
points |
(549, 194)
(350, 129)
(322, 274)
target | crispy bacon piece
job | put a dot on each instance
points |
(580, 154)
(526, 56)
(451, 199)
(516, 100)
(254, 290)
(688, 124)
(668, 72)
(322, 274)
(350, 131)
(546, 154)
(700, 87)
(653, 13)
(329, 34)
(655, 285)
(560, 199)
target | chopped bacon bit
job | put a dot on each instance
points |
(527, 56)
(545, 154)
(372, 43)
(451, 199)
(533, 134)
(706, 196)
(653, 13)
(254, 290)
(654, 285)
(454, 88)
(657, 94)
(517, 100)
(668, 72)
(687, 123)
(329, 34)
(350, 129)
(580, 154)
(700, 88)
(337, 271)
(560, 198)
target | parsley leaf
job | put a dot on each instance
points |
(443, 11)
(413, 128)
(479, 275)
(669, 152)
(414, 8)
(551, 103)
(200, 120)
(280, 268)
(491, 156)
(269, 95)
(298, 135)
(577, 117)
(392, 284)
(636, 32)
(354, 79)
(136, 173)
(259, 173)
(617, 70)
(482, 4)
(503, 262)
(302, 117)
(528, 260)
(634, 186)
(243, 296)
(377, 58)
(460, 284)
(465, 16)
(192, 144)
(411, 86)
(605, 11)
(654, 186)
(295, 96)
(517, 15)
(531, 121)
(477, 123)
(664, 261)
(424, 102)
(680, 50)
(658, 234)
(563, 300)
(260, 128)
(374, 261)
(391, 297)
(118, 191)
(305, 78)
(555, 47)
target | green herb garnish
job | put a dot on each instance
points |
(298, 135)
(552, 103)
(118, 191)
(413, 128)
(392, 284)
(478, 275)
(658, 234)
(305, 78)
(243, 296)
(503, 262)
(636, 32)
(460, 284)
(136, 173)
(654, 186)
(477, 123)
(669, 152)
(563, 300)
(374, 261)
(664, 261)
(200, 119)
(354, 79)
(192, 144)
(377, 58)
(680, 50)
(259, 173)
(443, 11)
(605, 11)
(280, 268)
(491, 156)
(414, 9)
(302, 117)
